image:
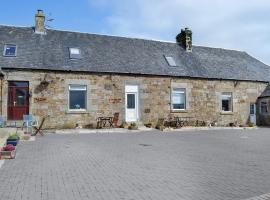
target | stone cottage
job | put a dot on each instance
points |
(76, 77)
(263, 103)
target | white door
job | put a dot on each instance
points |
(131, 103)
(252, 114)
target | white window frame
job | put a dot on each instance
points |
(266, 104)
(179, 92)
(223, 94)
(69, 89)
(5, 48)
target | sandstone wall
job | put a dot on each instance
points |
(106, 95)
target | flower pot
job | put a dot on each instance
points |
(7, 154)
(11, 139)
(13, 142)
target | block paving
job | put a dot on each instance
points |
(202, 165)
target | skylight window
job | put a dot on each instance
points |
(170, 61)
(74, 53)
(10, 50)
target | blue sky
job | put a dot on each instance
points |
(242, 25)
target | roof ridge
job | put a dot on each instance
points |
(125, 37)
(15, 26)
(98, 34)
(111, 35)
(226, 49)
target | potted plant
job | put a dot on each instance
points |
(8, 151)
(13, 139)
(133, 126)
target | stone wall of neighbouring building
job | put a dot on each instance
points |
(263, 118)
(106, 95)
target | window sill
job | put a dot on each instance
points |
(77, 112)
(179, 111)
(226, 112)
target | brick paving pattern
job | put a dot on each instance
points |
(261, 197)
(206, 165)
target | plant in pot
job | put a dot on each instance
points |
(133, 126)
(13, 139)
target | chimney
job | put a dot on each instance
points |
(40, 22)
(185, 39)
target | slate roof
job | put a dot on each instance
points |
(266, 92)
(111, 54)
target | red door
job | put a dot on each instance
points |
(18, 99)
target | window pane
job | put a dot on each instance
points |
(171, 61)
(77, 99)
(18, 84)
(226, 101)
(131, 101)
(77, 87)
(252, 109)
(226, 96)
(10, 50)
(179, 90)
(74, 53)
(21, 97)
(178, 98)
(225, 105)
(264, 107)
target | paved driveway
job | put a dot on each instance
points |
(208, 165)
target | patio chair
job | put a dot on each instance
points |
(3, 122)
(38, 129)
(27, 122)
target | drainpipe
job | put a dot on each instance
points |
(1, 91)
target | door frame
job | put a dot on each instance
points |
(132, 89)
(12, 89)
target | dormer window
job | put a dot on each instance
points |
(74, 53)
(170, 60)
(10, 50)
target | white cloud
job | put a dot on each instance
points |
(241, 24)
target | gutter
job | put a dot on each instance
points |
(1, 91)
(131, 74)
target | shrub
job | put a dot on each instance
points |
(14, 136)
